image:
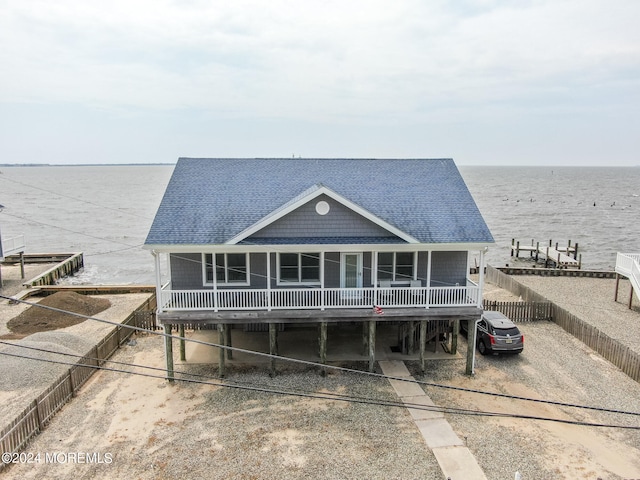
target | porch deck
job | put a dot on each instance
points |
(314, 316)
(319, 302)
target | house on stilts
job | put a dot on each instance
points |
(269, 243)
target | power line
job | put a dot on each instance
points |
(338, 397)
(68, 230)
(331, 367)
(81, 200)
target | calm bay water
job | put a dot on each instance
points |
(106, 212)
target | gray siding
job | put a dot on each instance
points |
(448, 268)
(186, 271)
(305, 222)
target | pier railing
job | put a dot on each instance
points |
(628, 264)
(318, 298)
(12, 245)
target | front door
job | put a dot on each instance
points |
(351, 270)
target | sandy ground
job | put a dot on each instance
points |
(143, 427)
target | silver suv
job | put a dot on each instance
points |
(497, 334)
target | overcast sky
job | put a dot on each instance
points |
(486, 82)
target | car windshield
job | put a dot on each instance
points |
(506, 331)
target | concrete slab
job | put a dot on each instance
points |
(406, 389)
(457, 463)
(344, 343)
(438, 433)
(394, 368)
(421, 414)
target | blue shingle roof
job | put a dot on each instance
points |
(209, 201)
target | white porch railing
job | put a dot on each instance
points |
(318, 298)
(12, 245)
(628, 264)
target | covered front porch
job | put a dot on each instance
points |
(290, 279)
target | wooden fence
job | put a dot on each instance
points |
(522, 311)
(15, 436)
(618, 354)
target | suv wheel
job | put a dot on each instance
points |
(483, 348)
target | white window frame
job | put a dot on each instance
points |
(394, 271)
(285, 283)
(226, 270)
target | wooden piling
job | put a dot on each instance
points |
(471, 345)
(22, 265)
(221, 339)
(411, 342)
(423, 345)
(273, 346)
(323, 346)
(365, 338)
(615, 295)
(183, 353)
(168, 351)
(228, 342)
(454, 336)
(372, 344)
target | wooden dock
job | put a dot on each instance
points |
(555, 256)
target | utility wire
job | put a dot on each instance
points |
(329, 367)
(230, 383)
(342, 398)
(81, 200)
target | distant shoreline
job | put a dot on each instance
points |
(82, 164)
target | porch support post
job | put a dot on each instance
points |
(168, 352)
(630, 295)
(374, 268)
(428, 278)
(183, 353)
(215, 282)
(273, 346)
(221, 338)
(372, 344)
(268, 281)
(156, 257)
(481, 278)
(423, 344)
(322, 293)
(323, 346)
(454, 336)
(615, 296)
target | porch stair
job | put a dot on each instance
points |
(409, 334)
(454, 458)
(628, 265)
